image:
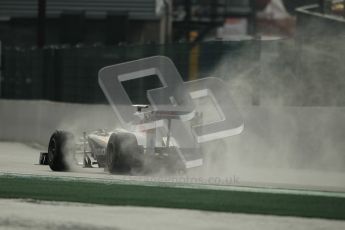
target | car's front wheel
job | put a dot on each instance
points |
(60, 146)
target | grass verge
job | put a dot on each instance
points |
(51, 189)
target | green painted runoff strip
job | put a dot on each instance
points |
(169, 182)
(51, 189)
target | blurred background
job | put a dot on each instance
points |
(53, 49)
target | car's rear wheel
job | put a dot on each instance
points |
(123, 154)
(60, 146)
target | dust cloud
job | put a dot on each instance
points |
(292, 105)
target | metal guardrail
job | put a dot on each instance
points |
(70, 74)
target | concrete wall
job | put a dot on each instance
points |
(34, 121)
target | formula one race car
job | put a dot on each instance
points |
(166, 132)
(118, 151)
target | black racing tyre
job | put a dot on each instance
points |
(58, 150)
(123, 155)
